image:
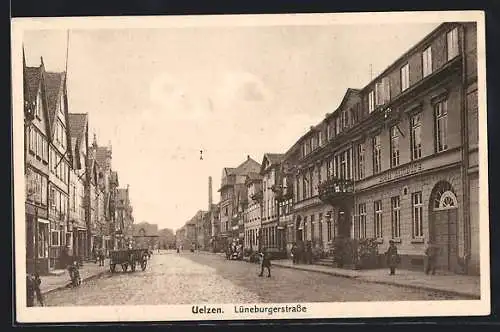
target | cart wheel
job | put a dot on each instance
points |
(112, 267)
(124, 267)
(132, 267)
(144, 263)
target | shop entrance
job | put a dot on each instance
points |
(443, 217)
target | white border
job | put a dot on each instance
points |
(183, 312)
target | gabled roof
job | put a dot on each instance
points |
(273, 159)
(32, 76)
(346, 97)
(77, 125)
(53, 88)
(248, 166)
(101, 154)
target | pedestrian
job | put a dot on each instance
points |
(101, 257)
(30, 290)
(37, 282)
(294, 253)
(392, 257)
(265, 263)
(431, 252)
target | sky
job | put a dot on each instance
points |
(161, 95)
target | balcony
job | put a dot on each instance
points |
(335, 190)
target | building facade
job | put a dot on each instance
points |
(253, 212)
(59, 165)
(37, 137)
(78, 223)
(397, 160)
(233, 199)
(124, 218)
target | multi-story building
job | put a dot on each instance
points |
(145, 236)
(60, 155)
(253, 211)
(397, 160)
(232, 199)
(273, 234)
(166, 238)
(124, 217)
(37, 137)
(79, 227)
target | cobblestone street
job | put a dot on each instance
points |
(201, 278)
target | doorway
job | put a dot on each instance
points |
(443, 218)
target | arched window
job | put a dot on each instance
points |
(444, 197)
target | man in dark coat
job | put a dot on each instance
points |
(392, 257)
(294, 253)
(265, 263)
(431, 252)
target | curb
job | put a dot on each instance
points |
(68, 285)
(363, 279)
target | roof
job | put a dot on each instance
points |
(275, 158)
(77, 125)
(101, 155)
(145, 229)
(248, 166)
(53, 84)
(32, 78)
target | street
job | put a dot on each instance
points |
(187, 278)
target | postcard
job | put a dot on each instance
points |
(241, 167)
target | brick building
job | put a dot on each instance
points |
(398, 159)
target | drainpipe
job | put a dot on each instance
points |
(465, 153)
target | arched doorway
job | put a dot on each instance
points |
(443, 219)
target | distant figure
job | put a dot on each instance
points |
(101, 257)
(392, 257)
(265, 263)
(432, 253)
(294, 253)
(33, 282)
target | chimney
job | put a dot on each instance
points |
(209, 193)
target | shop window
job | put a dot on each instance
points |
(43, 240)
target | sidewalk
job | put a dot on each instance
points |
(462, 285)
(59, 279)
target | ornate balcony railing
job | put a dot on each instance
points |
(335, 188)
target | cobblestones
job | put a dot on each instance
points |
(188, 278)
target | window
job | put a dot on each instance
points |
(343, 166)
(45, 149)
(395, 217)
(43, 240)
(319, 174)
(377, 154)
(405, 77)
(418, 228)
(329, 229)
(362, 220)
(320, 138)
(377, 206)
(39, 145)
(38, 106)
(305, 229)
(55, 237)
(328, 132)
(394, 146)
(345, 119)
(452, 43)
(440, 118)
(472, 108)
(371, 101)
(320, 225)
(416, 140)
(361, 160)
(427, 61)
(349, 163)
(313, 228)
(338, 128)
(311, 187)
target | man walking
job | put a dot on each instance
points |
(265, 263)
(431, 252)
(392, 257)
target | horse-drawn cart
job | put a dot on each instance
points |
(128, 257)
